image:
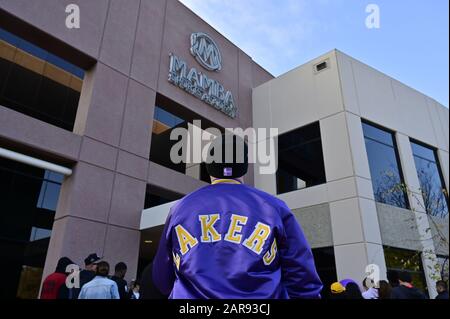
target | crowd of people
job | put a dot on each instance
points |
(95, 282)
(399, 288)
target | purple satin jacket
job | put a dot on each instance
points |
(232, 241)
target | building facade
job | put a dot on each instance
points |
(379, 195)
(86, 117)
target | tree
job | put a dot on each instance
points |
(433, 201)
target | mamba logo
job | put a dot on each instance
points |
(206, 51)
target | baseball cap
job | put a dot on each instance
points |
(227, 167)
(337, 288)
(92, 259)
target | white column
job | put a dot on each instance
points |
(354, 220)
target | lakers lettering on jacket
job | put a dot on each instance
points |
(233, 241)
(208, 233)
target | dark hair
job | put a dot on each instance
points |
(392, 277)
(230, 144)
(352, 291)
(134, 283)
(121, 266)
(364, 282)
(384, 292)
(63, 262)
(442, 284)
(405, 276)
(102, 269)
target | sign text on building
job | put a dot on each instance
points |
(206, 52)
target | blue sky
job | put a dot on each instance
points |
(411, 45)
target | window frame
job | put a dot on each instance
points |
(436, 161)
(394, 146)
(303, 143)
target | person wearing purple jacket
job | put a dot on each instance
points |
(232, 241)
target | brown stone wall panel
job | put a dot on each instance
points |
(245, 90)
(132, 165)
(260, 76)
(127, 201)
(138, 119)
(50, 16)
(118, 39)
(122, 244)
(38, 134)
(147, 46)
(98, 153)
(107, 104)
(86, 193)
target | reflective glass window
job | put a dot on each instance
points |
(431, 182)
(387, 179)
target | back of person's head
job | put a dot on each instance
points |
(404, 276)
(392, 277)
(134, 286)
(63, 262)
(441, 286)
(227, 157)
(120, 267)
(368, 283)
(384, 290)
(102, 269)
(352, 291)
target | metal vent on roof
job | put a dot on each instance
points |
(321, 66)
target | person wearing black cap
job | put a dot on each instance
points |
(88, 273)
(85, 276)
(228, 240)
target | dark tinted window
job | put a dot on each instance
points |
(326, 268)
(430, 178)
(169, 116)
(300, 159)
(38, 83)
(28, 199)
(387, 180)
(163, 124)
(156, 196)
(398, 260)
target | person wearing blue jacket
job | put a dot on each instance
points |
(228, 240)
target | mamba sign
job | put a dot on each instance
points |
(199, 84)
(206, 51)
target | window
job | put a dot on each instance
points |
(442, 262)
(300, 159)
(38, 83)
(405, 260)
(431, 182)
(155, 196)
(28, 199)
(168, 116)
(387, 179)
(163, 124)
